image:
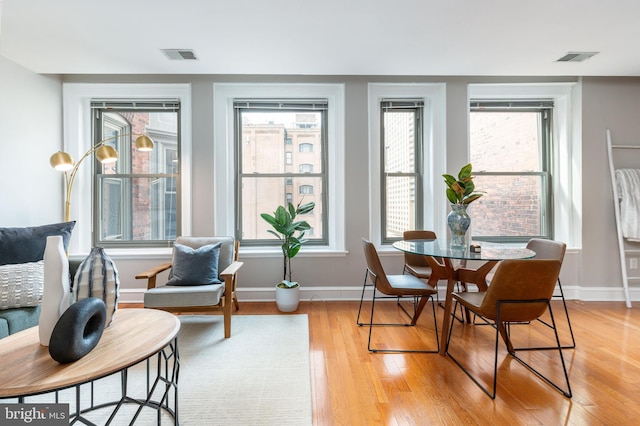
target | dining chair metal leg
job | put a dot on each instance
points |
(364, 286)
(419, 308)
(412, 318)
(566, 313)
(512, 352)
(501, 329)
(491, 393)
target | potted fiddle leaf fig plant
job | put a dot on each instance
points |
(284, 224)
(461, 192)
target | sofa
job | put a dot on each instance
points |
(22, 273)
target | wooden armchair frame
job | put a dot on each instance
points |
(229, 275)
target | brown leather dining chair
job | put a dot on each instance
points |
(398, 287)
(416, 264)
(520, 291)
(419, 266)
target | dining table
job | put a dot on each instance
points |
(472, 268)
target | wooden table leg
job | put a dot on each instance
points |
(448, 302)
(476, 276)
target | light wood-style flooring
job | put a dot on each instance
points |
(354, 387)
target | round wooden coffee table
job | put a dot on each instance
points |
(135, 335)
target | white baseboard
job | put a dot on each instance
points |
(267, 294)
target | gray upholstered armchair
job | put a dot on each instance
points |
(195, 285)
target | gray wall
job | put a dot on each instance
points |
(612, 102)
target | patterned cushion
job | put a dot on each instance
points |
(21, 285)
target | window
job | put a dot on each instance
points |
(305, 147)
(263, 179)
(226, 215)
(427, 166)
(306, 168)
(510, 145)
(136, 198)
(402, 167)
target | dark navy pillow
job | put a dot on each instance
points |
(195, 266)
(25, 245)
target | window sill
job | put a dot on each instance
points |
(245, 252)
(255, 252)
(137, 253)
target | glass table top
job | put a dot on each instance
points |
(441, 248)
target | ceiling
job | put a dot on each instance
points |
(323, 37)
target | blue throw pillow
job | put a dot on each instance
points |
(25, 245)
(195, 266)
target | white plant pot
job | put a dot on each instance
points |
(287, 299)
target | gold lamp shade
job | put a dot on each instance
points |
(61, 161)
(106, 154)
(144, 143)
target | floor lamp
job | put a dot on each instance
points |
(105, 154)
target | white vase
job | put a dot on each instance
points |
(55, 294)
(287, 299)
(97, 276)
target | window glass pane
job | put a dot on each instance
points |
(505, 141)
(276, 148)
(264, 194)
(400, 205)
(137, 195)
(266, 134)
(514, 208)
(399, 141)
(401, 163)
(507, 150)
(112, 205)
(152, 212)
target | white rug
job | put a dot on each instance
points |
(259, 376)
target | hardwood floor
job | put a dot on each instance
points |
(354, 387)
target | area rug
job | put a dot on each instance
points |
(259, 376)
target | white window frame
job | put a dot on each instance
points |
(223, 138)
(566, 150)
(76, 98)
(434, 153)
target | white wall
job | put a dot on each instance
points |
(30, 131)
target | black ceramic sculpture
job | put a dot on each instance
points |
(78, 330)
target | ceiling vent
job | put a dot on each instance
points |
(179, 54)
(576, 56)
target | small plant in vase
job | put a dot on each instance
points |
(461, 192)
(285, 228)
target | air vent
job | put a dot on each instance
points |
(576, 56)
(179, 54)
